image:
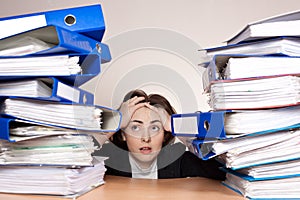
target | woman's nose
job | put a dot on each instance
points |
(146, 138)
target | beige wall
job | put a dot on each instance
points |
(208, 22)
(203, 23)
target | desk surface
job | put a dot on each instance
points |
(117, 188)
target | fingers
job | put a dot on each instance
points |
(129, 107)
(135, 100)
(163, 114)
(134, 104)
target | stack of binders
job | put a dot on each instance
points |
(47, 121)
(254, 126)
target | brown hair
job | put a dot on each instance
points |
(154, 100)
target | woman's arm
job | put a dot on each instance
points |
(102, 137)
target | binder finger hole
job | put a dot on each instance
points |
(70, 20)
(98, 47)
(84, 99)
(206, 125)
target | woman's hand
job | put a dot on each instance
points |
(164, 116)
(128, 108)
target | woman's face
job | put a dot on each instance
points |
(144, 135)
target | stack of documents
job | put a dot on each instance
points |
(247, 156)
(253, 128)
(69, 182)
(57, 150)
(255, 93)
(235, 123)
(270, 46)
(47, 122)
(279, 188)
(248, 67)
(76, 116)
(40, 66)
(275, 26)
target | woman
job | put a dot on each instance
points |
(144, 146)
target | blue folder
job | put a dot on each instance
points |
(209, 125)
(60, 40)
(90, 64)
(199, 124)
(59, 91)
(8, 123)
(276, 46)
(215, 70)
(251, 178)
(87, 20)
(110, 118)
(201, 148)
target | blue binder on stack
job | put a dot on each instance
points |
(72, 32)
(87, 20)
(56, 39)
(211, 125)
(49, 88)
(90, 64)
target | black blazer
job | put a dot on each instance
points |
(172, 162)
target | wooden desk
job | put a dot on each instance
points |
(120, 188)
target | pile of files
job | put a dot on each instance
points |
(253, 128)
(47, 122)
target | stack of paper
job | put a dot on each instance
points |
(265, 165)
(76, 116)
(47, 121)
(59, 150)
(247, 143)
(281, 45)
(261, 172)
(23, 46)
(249, 67)
(70, 182)
(253, 128)
(40, 66)
(245, 156)
(275, 26)
(255, 93)
(280, 188)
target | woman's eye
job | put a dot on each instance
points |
(135, 128)
(155, 129)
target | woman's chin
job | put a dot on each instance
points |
(145, 157)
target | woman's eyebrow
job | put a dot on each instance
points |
(138, 121)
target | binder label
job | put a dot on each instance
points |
(186, 125)
(19, 25)
(68, 92)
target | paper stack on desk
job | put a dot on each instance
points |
(47, 121)
(253, 89)
(68, 182)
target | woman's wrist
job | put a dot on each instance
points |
(102, 137)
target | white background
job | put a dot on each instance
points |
(207, 23)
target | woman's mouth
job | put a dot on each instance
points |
(145, 150)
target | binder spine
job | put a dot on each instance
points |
(210, 125)
(4, 129)
(213, 72)
(86, 20)
(70, 93)
(79, 43)
(202, 149)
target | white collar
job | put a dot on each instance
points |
(138, 172)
